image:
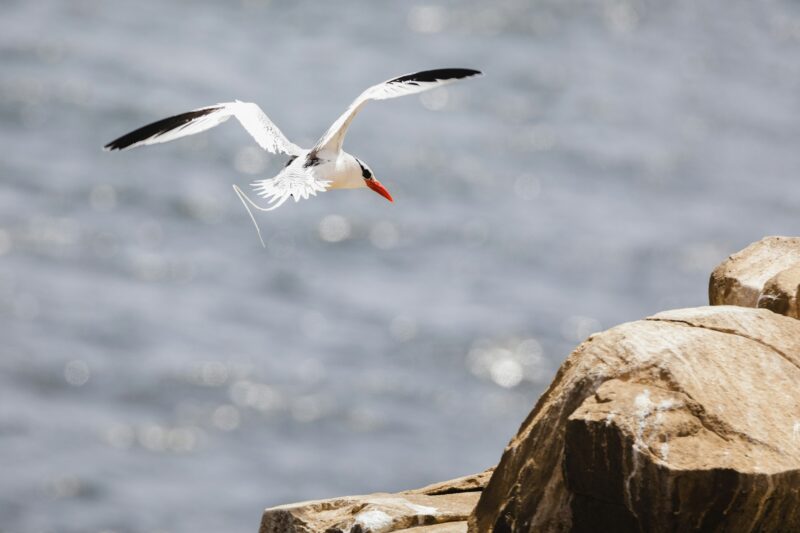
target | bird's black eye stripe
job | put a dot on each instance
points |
(367, 175)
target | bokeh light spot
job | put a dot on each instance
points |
(384, 235)
(120, 436)
(226, 417)
(334, 228)
(506, 372)
(508, 363)
(577, 328)
(250, 160)
(77, 373)
(427, 19)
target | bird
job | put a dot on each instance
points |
(322, 167)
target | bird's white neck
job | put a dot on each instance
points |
(345, 172)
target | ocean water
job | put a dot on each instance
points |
(161, 372)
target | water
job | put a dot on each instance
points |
(160, 371)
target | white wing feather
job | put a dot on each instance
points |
(251, 117)
(263, 130)
(404, 85)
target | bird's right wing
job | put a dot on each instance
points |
(257, 124)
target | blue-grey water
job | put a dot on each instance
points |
(161, 372)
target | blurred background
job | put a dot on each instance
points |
(161, 372)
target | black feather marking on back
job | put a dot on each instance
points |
(157, 128)
(290, 161)
(312, 160)
(436, 75)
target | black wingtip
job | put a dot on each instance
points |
(437, 75)
(156, 128)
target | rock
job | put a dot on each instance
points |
(471, 483)
(439, 508)
(766, 274)
(781, 292)
(688, 420)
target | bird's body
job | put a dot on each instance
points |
(308, 171)
(341, 170)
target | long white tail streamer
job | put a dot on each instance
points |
(245, 200)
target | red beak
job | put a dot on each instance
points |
(376, 186)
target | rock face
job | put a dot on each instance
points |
(688, 420)
(440, 508)
(766, 274)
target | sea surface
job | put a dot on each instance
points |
(160, 371)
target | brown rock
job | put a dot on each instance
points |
(471, 483)
(687, 420)
(781, 292)
(740, 279)
(439, 508)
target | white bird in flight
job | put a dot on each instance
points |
(322, 167)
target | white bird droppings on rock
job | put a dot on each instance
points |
(375, 521)
(421, 509)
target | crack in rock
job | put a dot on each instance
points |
(729, 332)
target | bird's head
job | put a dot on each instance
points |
(371, 182)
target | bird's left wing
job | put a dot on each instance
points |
(251, 117)
(418, 82)
(290, 183)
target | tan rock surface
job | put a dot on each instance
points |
(438, 508)
(740, 279)
(471, 483)
(781, 292)
(689, 419)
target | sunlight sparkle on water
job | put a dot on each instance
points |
(507, 363)
(577, 328)
(427, 19)
(384, 235)
(256, 396)
(226, 417)
(334, 228)
(250, 160)
(77, 373)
